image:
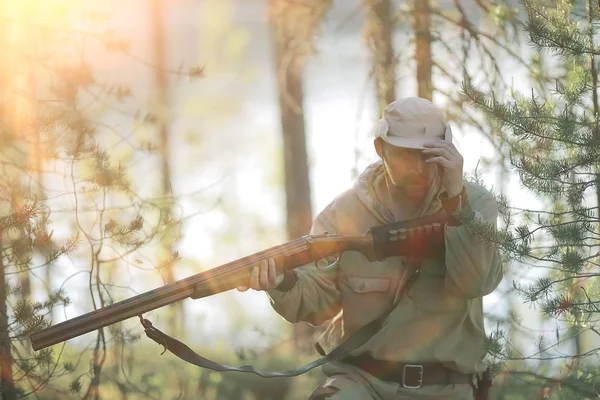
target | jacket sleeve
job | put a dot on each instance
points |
(315, 297)
(474, 268)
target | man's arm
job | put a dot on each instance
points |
(474, 268)
(309, 294)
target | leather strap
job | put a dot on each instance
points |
(359, 338)
(410, 375)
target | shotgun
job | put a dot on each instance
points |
(418, 238)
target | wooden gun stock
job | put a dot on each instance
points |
(418, 237)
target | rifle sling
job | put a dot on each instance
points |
(356, 340)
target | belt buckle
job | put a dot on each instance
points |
(419, 371)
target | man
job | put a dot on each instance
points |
(432, 344)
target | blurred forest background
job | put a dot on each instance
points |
(143, 141)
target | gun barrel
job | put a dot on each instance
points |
(113, 313)
(212, 281)
(376, 244)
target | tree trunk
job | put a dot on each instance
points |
(380, 27)
(7, 384)
(27, 117)
(584, 341)
(423, 59)
(289, 70)
(596, 106)
(6, 375)
(175, 311)
(297, 183)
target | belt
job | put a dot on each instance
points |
(410, 376)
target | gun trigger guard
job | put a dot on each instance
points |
(330, 266)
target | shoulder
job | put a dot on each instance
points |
(345, 214)
(339, 205)
(478, 193)
(481, 199)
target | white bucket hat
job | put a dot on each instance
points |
(411, 122)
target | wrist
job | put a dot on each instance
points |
(288, 282)
(453, 192)
(456, 206)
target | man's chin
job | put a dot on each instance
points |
(412, 190)
(417, 186)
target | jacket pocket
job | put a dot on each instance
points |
(364, 299)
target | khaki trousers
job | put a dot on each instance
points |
(347, 382)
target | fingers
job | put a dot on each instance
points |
(444, 162)
(272, 274)
(263, 276)
(447, 150)
(439, 151)
(443, 153)
(450, 160)
(440, 143)
(254, 278)
(263, 281)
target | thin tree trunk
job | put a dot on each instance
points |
(380, 28)
(7, 388)
(423, 58)
(289, 71)
(584, 341)
(40, 154)
(297, 183)
(175, 310)
(594, 73)
(6, 375)
(27, 117)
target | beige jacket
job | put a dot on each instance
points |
(440, 319)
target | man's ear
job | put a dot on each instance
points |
(378, 147)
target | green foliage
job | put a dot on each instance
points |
(143, 372)
(552, 139)
(87, 210)
(60, 171)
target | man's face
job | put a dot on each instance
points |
(407, 170)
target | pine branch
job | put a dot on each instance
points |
(477, 33)
(580, 387)
(549, 29)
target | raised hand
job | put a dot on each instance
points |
(444, 153)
